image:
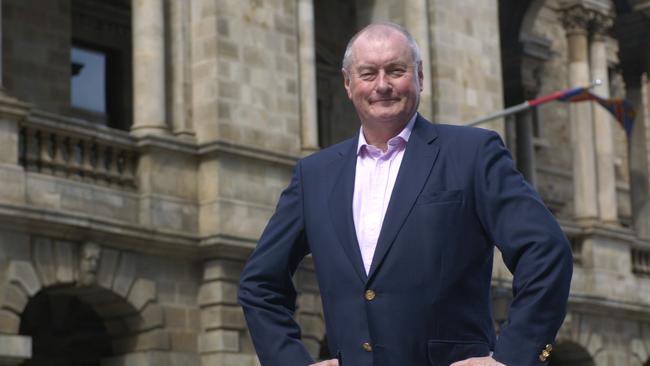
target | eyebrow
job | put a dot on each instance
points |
(392, 64)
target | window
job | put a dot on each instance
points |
(88, 82)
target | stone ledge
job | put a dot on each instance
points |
(15, 349)
(78, 227)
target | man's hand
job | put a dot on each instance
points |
(478, 361)
(332, 362)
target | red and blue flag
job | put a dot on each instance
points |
(621, 109)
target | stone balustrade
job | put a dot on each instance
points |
(641, 261)
(75, 149)
(576, 248)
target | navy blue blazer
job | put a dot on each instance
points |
(457, 195)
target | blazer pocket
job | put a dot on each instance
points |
(426, 198)
(446, 352)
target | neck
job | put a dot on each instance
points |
(378, 134)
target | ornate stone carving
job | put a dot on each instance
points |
(576, 19)
(89, 256)
(601, 24)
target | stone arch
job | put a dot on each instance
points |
(567, 353)
(577, 334)
(127, 304)
(640, 346)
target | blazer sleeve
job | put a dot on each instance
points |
(534, 249)
(266, 290)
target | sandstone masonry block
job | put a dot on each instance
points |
(218, 292)
(142, 292)
(125, 274)
(65, 260)
(23, 274)
(223, 316)
(219, 340)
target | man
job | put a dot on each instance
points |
(401, 222)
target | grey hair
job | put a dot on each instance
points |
(415, 50)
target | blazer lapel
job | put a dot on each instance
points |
(418, 160)
(340, 206)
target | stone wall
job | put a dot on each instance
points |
(36, 52)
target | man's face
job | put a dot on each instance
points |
(382, 81)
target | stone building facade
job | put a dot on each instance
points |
(129, 203)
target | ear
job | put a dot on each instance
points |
(346, 82)
(420, 75)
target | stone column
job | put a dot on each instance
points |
(576, 19)
(639, 95)
(603, 123)
(307, 64)
(525, 147)
(179, 68)
(1, 53)
(416, 19)
(149, 110)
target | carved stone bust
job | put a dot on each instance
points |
(89, 256)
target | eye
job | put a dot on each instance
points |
(397, 71)
(367, 75)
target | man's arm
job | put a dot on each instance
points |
(534, 249)
(266, 291)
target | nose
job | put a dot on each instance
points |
(383, 83)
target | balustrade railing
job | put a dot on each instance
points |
(70, 148)
(641, 260)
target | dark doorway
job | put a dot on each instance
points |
(65, 331)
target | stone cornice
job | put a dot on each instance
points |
(598, 305)
(112, 233)
(221, 146)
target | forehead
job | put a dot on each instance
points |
(381, 47)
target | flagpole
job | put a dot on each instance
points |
(525, 105)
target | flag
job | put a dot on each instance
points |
(621, 109)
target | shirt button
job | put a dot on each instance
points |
(370, 295)
(366, 347)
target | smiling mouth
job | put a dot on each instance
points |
(384, 100)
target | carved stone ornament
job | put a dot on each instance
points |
(601, 24)
(89, 257)
(576, 19)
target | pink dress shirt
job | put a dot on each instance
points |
(374, 180)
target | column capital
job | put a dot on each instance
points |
(601, 24)
(576, 19)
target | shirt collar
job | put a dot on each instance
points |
(404, 134)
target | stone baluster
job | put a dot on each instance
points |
(603, 122)
(576, 20)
